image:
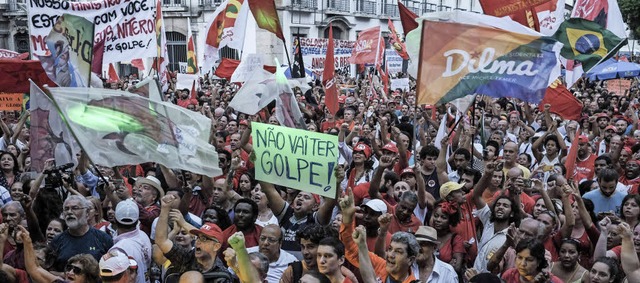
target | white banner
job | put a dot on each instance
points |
(314, 51)
(127, 27)
(394, 62)
(186, 81)
(400, 84)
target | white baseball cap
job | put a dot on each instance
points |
(127, 212)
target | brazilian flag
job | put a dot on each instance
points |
(587, 42)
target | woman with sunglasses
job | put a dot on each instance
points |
(82, 268)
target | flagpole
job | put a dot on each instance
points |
(286, 51)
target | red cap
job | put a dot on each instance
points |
(610, 127)
(210, 230)
(407, 171)
(603, 115)
(390, 147)
(363, 147)
(627, 149)
(342, 99)
(583, 139)
(244, 122)
(316, 198)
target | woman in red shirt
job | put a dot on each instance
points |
(451, 248)
(530, 262)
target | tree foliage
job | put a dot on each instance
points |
(631, 14)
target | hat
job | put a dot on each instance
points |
(113, 263)
(376, 205)
(390, 147)
(407, 171)
(448, 188)
(210, 230)
(151, 181)
(363, 147)
(583, 139)
(127, 212)
(316, 198)
(244, 122)
(603, 115)
(427, 234)
(610, 127)
(342, 98)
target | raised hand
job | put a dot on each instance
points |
(236, 241)
(360, 235)
(167, 200)
(384, 220)
(385, 161)
(347, 204)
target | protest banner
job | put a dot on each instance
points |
(402, 83)
(367, 46)
(314, 51)
(11, 101)
(183, 67)
(127, 28)
(8, 54)
(393, 61)
(297, 159)
(245, 69)
(70, 43)
(618, 86)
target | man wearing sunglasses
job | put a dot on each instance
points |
(203, 258)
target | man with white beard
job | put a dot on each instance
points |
(79, 238)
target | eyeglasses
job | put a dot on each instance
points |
(73, 208)
(269, 240)
(76, 270)
(203, 239)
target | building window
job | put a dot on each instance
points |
(177, 49)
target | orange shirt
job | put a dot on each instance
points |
(351, 254)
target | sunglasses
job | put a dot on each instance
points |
(76, 270)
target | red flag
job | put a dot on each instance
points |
(562, 102)
(365, 50)
(226, 68)
(408, 18)
(113, 76)
(264, 11)
(96, 62)
(572, 156)
(16, 73)
(395, 42)
(331, 93)
(138, 64)
(523, 12)
(382, 69)
(193, 96)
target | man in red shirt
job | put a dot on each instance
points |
(585, 160)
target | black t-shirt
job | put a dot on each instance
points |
(65, 245)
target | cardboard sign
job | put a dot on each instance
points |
(11, 101)
(619, 86)
(297, 159)
(402, 83)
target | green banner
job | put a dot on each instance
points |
(297, 159)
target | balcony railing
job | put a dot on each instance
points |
(429, 7)
(339, 5)
(212, 4)
(413, 5)
(390, 10)
(459, 9)
(304, 4)
(366, 7)
(444, 8)
(174, 3)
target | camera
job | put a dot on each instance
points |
(54, 178)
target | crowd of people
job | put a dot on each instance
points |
(425, 194)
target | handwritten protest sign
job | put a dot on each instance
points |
(314, 51)
(246, 68)
(393, 61)
(402, 83)
(11, 101)
(186, 81)
(294, 158)
(127, 28)
(619, 86)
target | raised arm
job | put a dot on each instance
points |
(425, 199)
(628, 256)
(37, 273)
(570, 219)
(479, 188)
(32, 220)
(276, 202)
(441, 162)
(170, 177)
(19, 126)
(367, 271)
(381, 246)
(237, 258)
(374, 186)
(495, 264)
(162, 228)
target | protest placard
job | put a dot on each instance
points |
(618, 86)
(402, 83)
(246, 68)
(186, 81)
(314, 51)
(297, 159)
(393, 61)
(127, 28)
(183, 67)
(11, 101)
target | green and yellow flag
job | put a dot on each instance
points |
(587, 42)
(264, 11)
(192, 62)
